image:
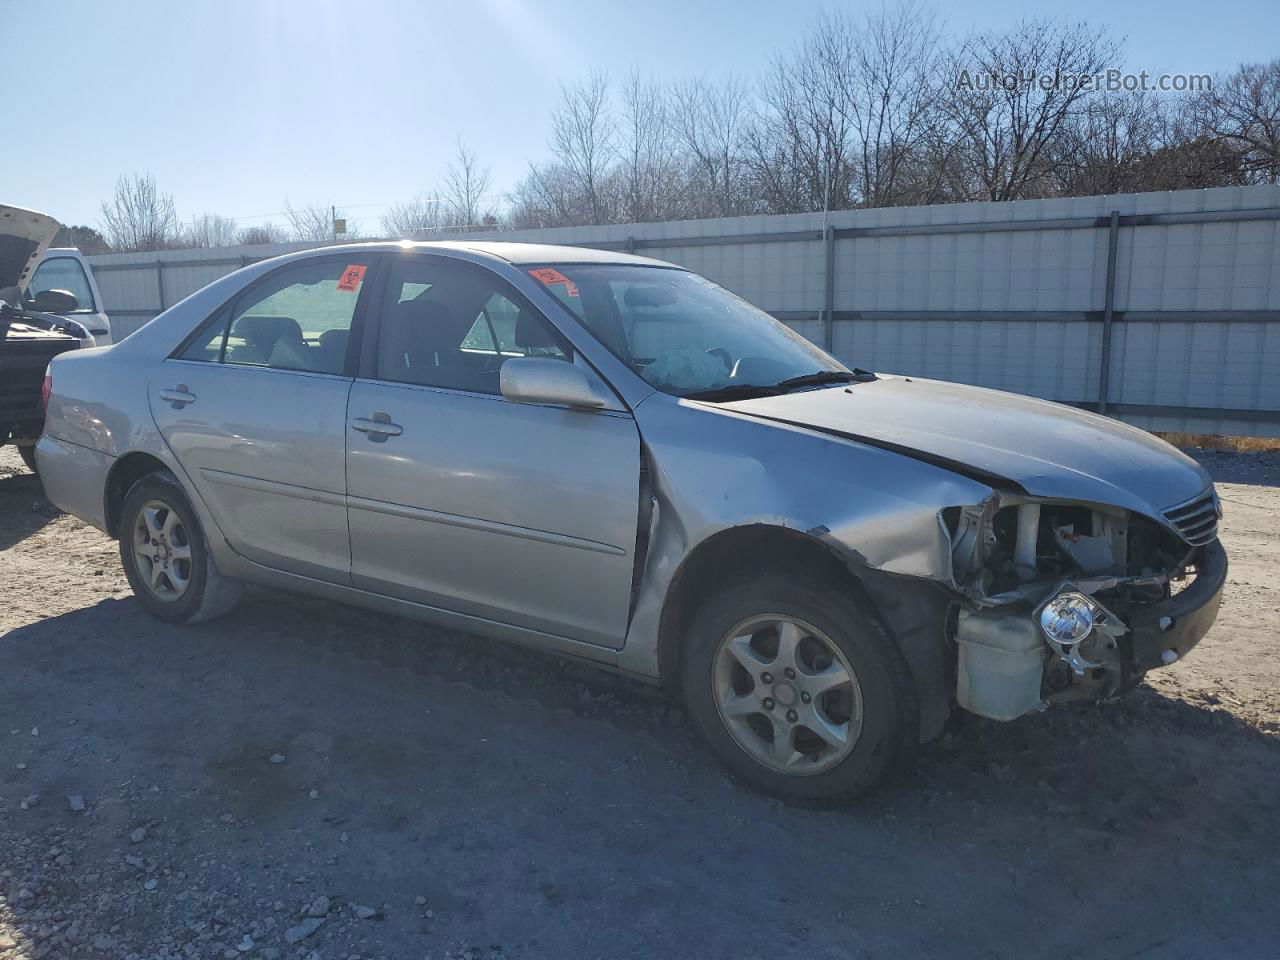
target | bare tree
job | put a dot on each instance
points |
(209, 230)
(711, 122)
(650, 182)
(416, 218)
(888, 68)
(315, 222)
(801, 149)
(466, 185)
(547, 197)
(262, 234)
(1006, 119)
(1243, 112)
(1137, 141)
(583, 139)
(139, 217)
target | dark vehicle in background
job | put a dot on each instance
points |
(31, 334)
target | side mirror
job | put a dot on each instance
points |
(547, 380)
(55, 301)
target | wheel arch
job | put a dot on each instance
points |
(914, 611)
(124, 473)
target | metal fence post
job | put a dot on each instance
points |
(1108, 311)
(160, 283)
(829, 287)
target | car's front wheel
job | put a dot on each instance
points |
(166, 557)
(798, 688)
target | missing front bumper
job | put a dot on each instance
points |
(1179, 623)
(1006, 668)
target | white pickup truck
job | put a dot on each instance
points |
(67, 270)
(49, 303)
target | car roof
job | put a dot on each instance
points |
(515, 253)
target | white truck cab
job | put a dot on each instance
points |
(65, 270)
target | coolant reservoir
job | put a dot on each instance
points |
(1001, 664)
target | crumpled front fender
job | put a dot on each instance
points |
(881, 512)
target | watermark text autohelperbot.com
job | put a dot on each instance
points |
(1111, 81)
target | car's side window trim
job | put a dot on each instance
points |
(367, 359)
(365, 305)
(481, 395)
(226, 310)
(225, 319)
(252, 366)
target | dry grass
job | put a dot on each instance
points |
(1210, 442)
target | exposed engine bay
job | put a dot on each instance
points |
(1056, 590)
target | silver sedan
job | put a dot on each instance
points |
(614, 459)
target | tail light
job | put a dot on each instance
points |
(46, 389)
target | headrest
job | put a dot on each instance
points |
(420, 312)
(267, 330)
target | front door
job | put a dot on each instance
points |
(458, 498)
(254, 408)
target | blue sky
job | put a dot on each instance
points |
(236, 106)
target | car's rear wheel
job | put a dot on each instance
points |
(799, 689)
(166, 557)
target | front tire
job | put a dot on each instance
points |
(166, 556)
(799, 688)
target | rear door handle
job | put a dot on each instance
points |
(378, 427)
(179, 396)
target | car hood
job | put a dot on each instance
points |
(1047, 449)
(24, 237)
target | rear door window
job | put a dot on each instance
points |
(299, 318)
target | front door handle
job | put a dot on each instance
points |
(378, 427)
(179, 396)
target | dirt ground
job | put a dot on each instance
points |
(307, 780)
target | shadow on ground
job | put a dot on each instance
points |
(22, 499)
(1257, 468)
(551, 810)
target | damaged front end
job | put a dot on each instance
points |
(1072, 601)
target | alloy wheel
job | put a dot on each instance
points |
(162, 550)
(787, 694)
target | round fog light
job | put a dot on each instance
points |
(1067, 618)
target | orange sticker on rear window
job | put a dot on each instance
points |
(351, 277)
(553, 277)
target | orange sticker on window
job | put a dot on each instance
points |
(552, 277)
(351, 277)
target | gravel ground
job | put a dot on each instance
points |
(303, 780)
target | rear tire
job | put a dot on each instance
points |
(166, 556)
(799, 688)
(28, 455)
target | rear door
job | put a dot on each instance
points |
(520, 513)
(254, 407)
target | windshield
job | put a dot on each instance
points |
(685, 335)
